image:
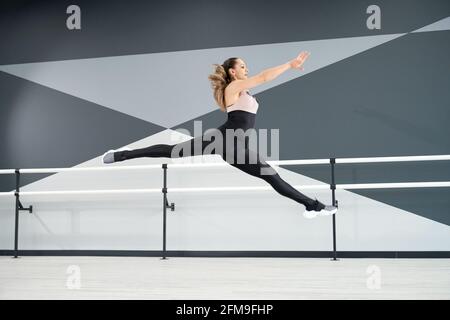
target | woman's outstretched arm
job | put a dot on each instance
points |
(269, 74)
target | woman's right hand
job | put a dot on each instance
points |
(298, 62)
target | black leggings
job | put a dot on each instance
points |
(258, 168)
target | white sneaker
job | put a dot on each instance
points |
(326, 211)
(108, 156)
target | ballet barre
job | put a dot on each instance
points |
(164, 190)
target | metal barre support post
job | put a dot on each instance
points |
(19, 207)
(334, 203)
(165, 206)
(16, 219)
(164, 190)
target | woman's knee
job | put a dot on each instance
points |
(268, 172)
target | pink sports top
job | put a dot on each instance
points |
(245, 102)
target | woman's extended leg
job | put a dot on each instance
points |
(192, 147)
(154, 151)
(258, 168)
(261, 169)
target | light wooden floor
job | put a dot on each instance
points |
(223, 278)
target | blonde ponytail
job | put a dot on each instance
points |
(220, 80)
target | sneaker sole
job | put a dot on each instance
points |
(314, 214)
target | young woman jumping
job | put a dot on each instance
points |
(230, 83)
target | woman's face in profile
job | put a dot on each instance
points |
(240, 70)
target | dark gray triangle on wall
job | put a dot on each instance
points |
(41, 127)
(431, 203)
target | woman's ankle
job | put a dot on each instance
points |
(315, 205)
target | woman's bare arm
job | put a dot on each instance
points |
(267, 75)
